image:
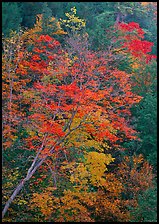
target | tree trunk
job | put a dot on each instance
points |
(20, 186)
(16, 191)
(118, 18)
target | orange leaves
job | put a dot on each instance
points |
(95, 96)
(52, 128)
(36, 57)
(52, 106)
(65, 88)
(37, 50)
(105, 134)
(45, 202)
(38, 116)
(50, 57)
(56, 129)
(136, 174)
(70, 89)
(102, 69)
(82, 90)
(67, 108)
(20, 54)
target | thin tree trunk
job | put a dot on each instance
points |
(118, 18)
(34, 166)
(20, 186)
(16, 191)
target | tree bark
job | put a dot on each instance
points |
(118, 18)
(16, 191)
(20, 186)
(34, 166)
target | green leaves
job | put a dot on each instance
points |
(146, 211)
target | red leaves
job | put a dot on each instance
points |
(150, 57)
(69, 88)
(133, 43)
(137, 47)
(50, 57)
(57, 130)
(128, 27)
(38, 85)
(66, 86)
(132, 26)
(51, 41)
(52, 107)
(52, 128)
(38, 116)
(37, 50)
(45, 38)
(56, 43)
(107, 136)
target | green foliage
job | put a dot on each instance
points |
(146, 211)
(24, 13)
(146, 113)
(147, 127)
(11, 17)
(29, 11)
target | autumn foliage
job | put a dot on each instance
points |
(66, 98)
(133, 42)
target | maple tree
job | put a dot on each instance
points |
(76, 99)
(70, 97)
(133, 43)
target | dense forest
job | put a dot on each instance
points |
(79, 111)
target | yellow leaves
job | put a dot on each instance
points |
(73, 21)
(11, 178)
(45, 202)
(78, 172)
(135, 65)
(6, 219)
(60, 32)
(96, 164)
(80, 138)
(22, 202)
(72, 208)
(95, 157)
(118, 50)
(92, 170)
(105, 146)
(75, 58)
(93, 143)
(51, 189)
(32, 133)
(30, 36)
(14, 175)
(8, 185)
(138, 160)
(74, 10)
(28, 94)
(68, 15)
(81, 175)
